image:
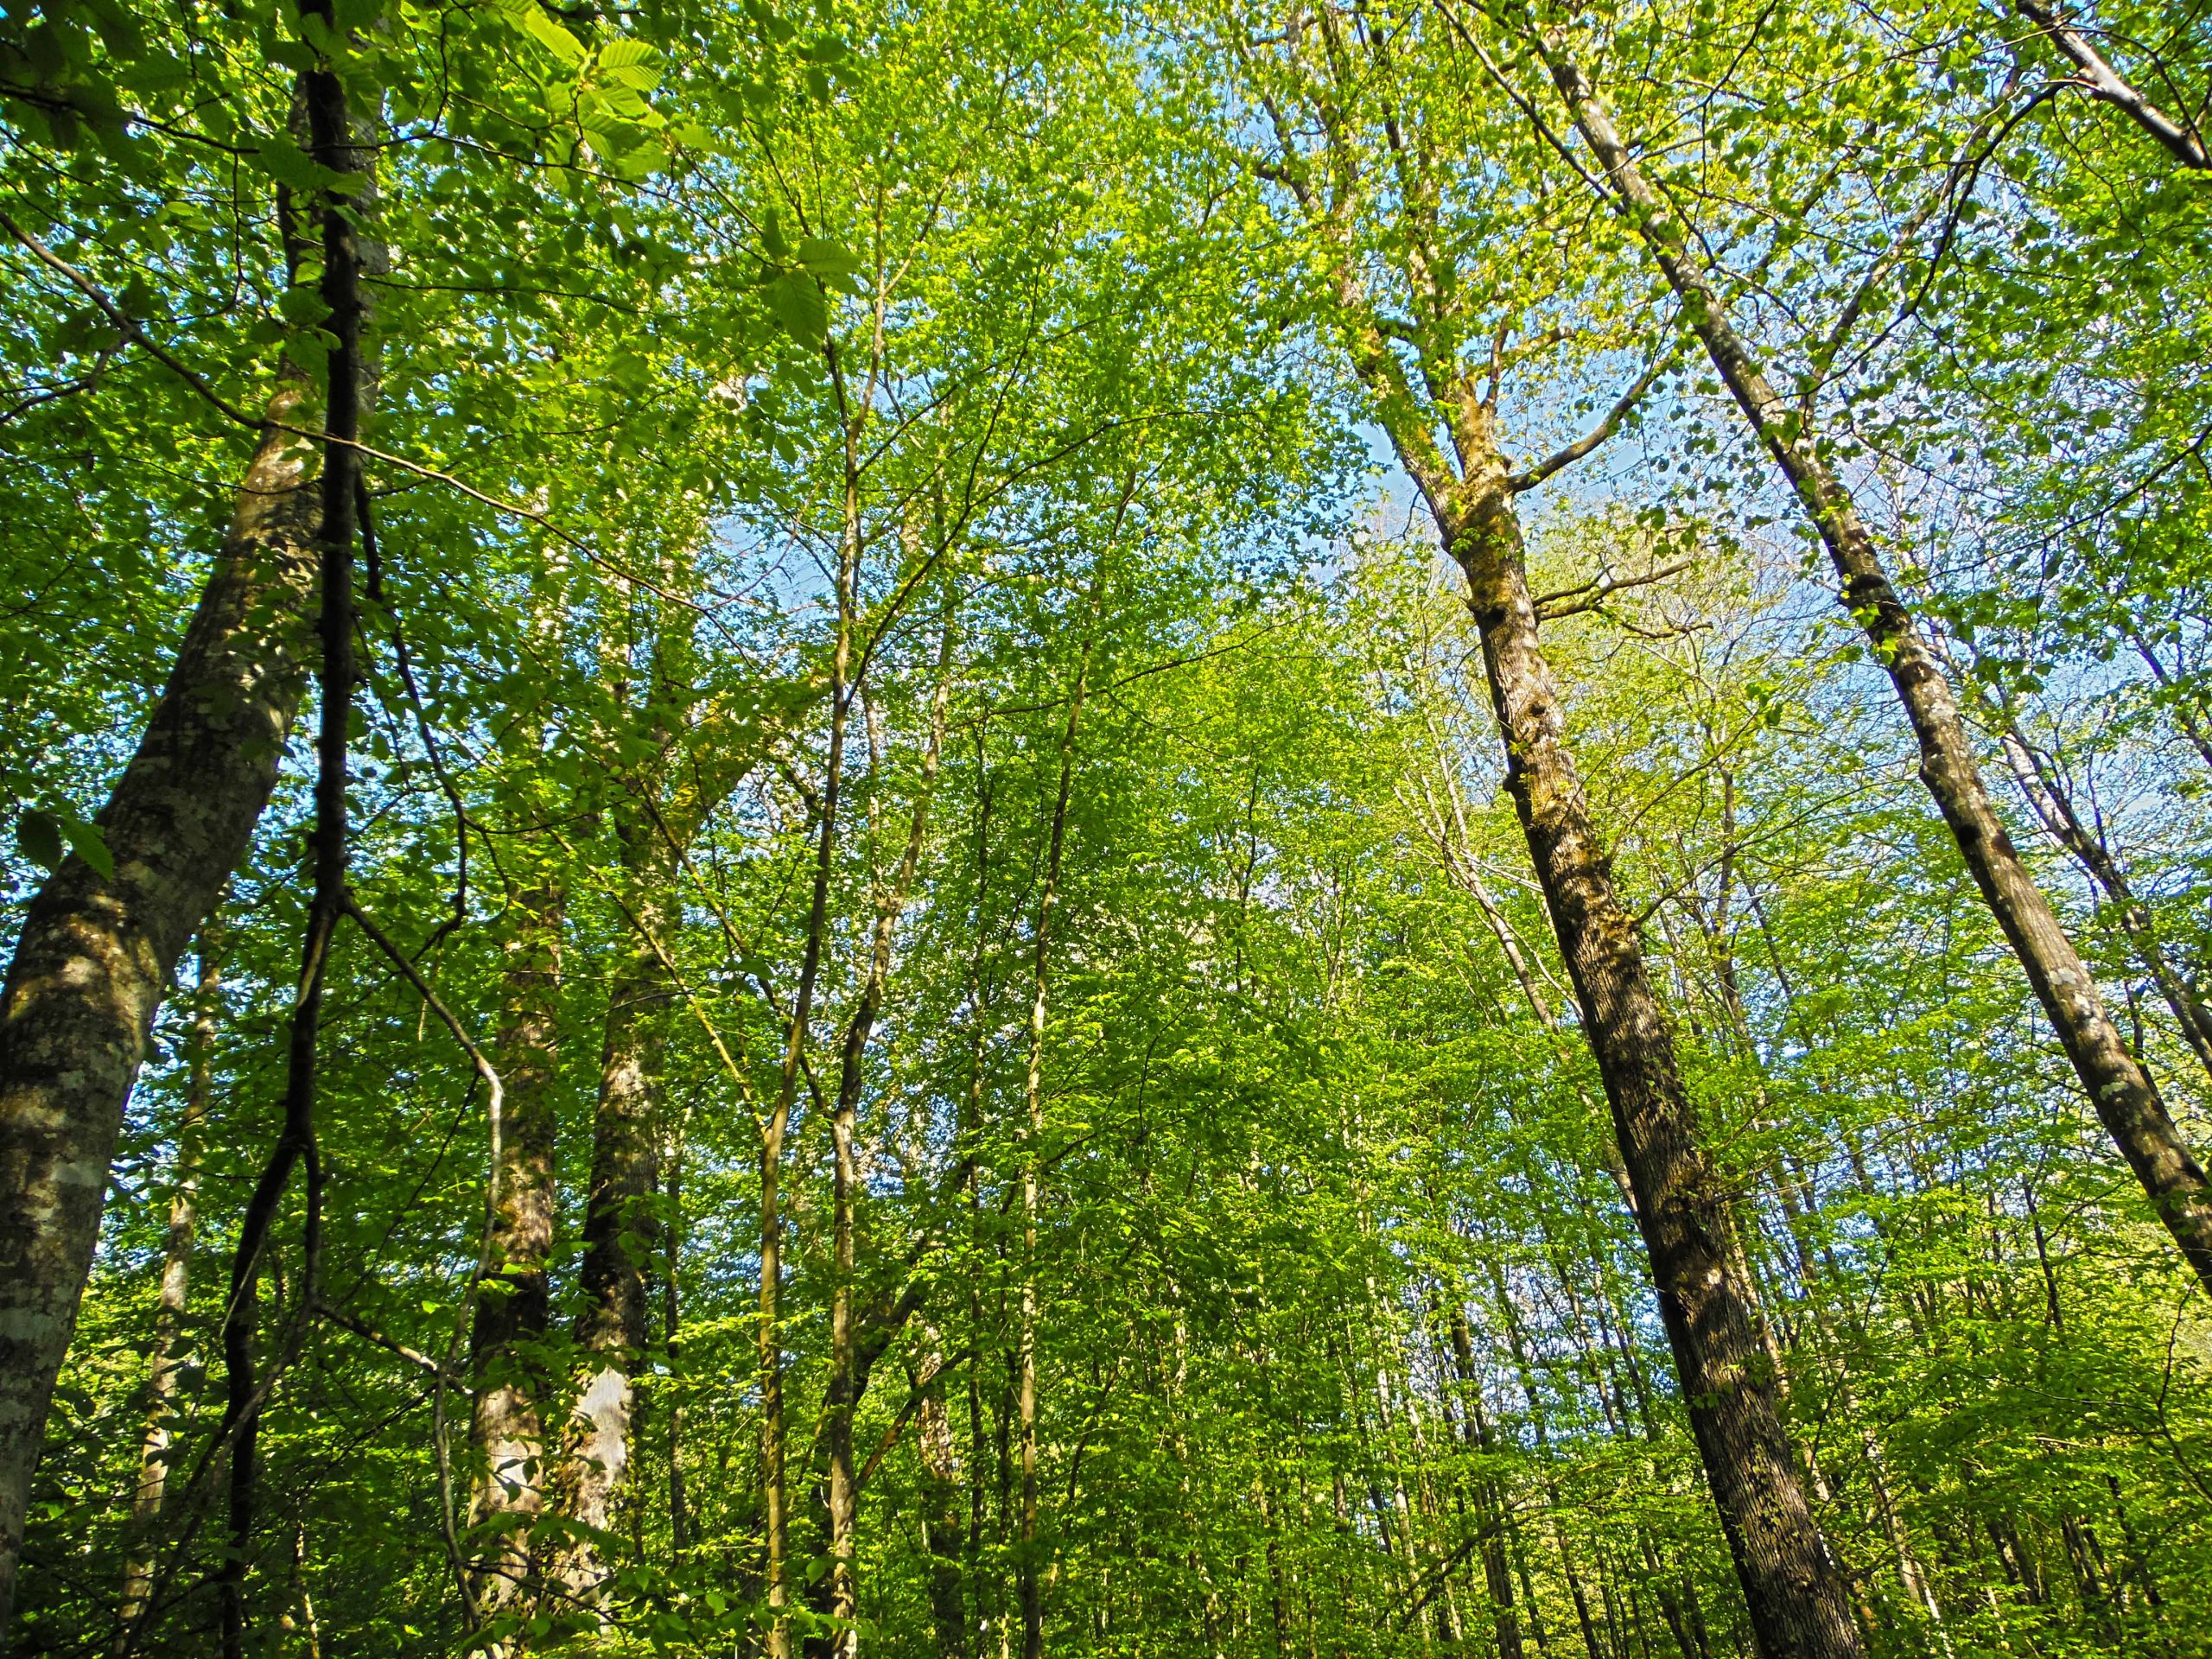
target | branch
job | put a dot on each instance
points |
(1592, 596)
(2103, 83)
(1604, 429)
(369, 1333)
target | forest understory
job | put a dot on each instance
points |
(1337, 830)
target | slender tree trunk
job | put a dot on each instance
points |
(335, 147)
(507, 1425)
(848, 1377)
(943, 1534)
(2119, 1088)
(775, 1492)
(679, 1507)
(1028, 1578)
(1497, 1577)
(169, 1360)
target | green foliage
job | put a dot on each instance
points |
(952, 354)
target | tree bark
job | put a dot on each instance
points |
(96, 952)
(168, 1361)
(2120, 1089)
(507, 1427)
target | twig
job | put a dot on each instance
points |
(495, 1101)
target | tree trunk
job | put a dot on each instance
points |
(775, 1470)
(943, 1534)
(335, 147)
(152, 1485)
(2119, 1088)
(613, 1327)
(1794, 1594)
(96, 951)
(847, 1366)
(1497, 1577)
(1029, 1580)
(506, 1428)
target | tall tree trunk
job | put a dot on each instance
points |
(1029, 1580)
(847, 1377)
(943, 1534)
(169, 1360)
(774, 1471)
(1497, 1577)
(96, 951)
(507, 1426)
(671, 1329)
(1794, 1594)
(2119, 1089)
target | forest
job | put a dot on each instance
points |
(1337, 830)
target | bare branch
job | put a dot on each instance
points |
(1592, 596)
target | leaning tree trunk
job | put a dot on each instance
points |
(96, 951)
(2119, 1088)
(1794, 1594)
(506, 1424)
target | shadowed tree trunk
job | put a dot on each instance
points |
(97, 950)
(943, 1534)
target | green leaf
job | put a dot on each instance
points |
(630, 63)
(553, 37)
(796, 302)
(286, 162)
(826, 259)
(85, 841)
(38, 837)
